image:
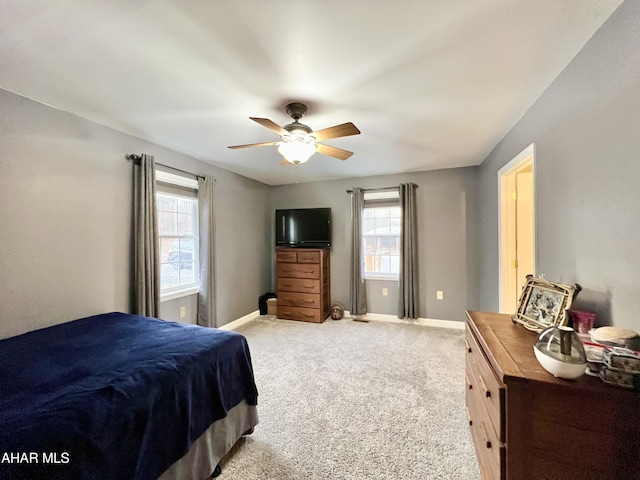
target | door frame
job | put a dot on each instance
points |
(523, 159)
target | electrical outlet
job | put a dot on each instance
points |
(439, 295)
(385, 292)
(183, 312)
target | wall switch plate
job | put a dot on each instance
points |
(439, 295)
(183, 312)
(385, 292)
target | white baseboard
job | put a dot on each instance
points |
(374, 317)
(425, 322)
(241, 321)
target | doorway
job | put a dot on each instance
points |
(517, 236)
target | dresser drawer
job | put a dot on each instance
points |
(489, 389)
(308, 257)
(289, 256)
(306, 285)
(297, 256)
(298, 270)
(298, 313)
(489, 449)
(292, 299)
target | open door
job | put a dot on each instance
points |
(517, 235)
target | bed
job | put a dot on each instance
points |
(122, 396)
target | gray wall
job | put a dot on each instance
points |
(65, 207)
(586, 128)
(447, 225)
(65, 221)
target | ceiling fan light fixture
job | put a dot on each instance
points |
(299, 140)
(297, 152)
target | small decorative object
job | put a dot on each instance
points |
(622, 359)
(619, 378)
(337, 311)
(616, 337)
(560, 352)
(544, 304)
(582, 320)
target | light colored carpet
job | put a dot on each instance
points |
(351, 400)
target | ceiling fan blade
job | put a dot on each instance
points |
(265, 122)
(343, 130)
(334, 152)
(265, 144)
(286, 162)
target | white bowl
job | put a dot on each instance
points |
(558, 368)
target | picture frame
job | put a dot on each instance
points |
(544, 304)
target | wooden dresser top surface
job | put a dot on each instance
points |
(509, 348)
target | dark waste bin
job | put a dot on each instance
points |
(262, 302)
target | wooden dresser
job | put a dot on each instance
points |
(303, 284)
(527, 424)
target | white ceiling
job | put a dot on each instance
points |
(431, 84)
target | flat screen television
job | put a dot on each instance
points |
(303, 227)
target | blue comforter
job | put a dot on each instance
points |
(114, 396)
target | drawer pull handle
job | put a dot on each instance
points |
(466, 344)
(309, 301)
(308, 286)
(487, 392)
(486, 436)
(308, 316)
(468, 381)
(469, 416)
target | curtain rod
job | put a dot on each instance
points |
(133, 156)
(377, 189)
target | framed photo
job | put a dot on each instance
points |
(544, 304)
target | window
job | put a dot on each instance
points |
(177, 236)
(381, 221)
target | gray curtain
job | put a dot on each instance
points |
(358, 287)
(408, 276)
(207, 295)
(146, 270)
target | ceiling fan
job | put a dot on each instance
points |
(299, 142)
